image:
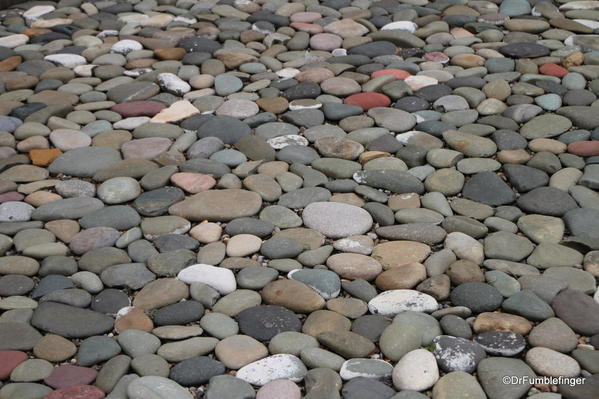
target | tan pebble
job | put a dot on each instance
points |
(403, 201)
(513, 156)
(206, 232)
(54, 348)
(497, 321)
(402, 277)
(202, 81)
(63, 229)
(348, 198)
(574, 59)
(41, 197)
(370, 155)
(547, 145)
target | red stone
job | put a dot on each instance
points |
(368, 100)
(9, 360)
(584, 148)
(11, 196)
(138, 108)
(67, 376)
(397, 73)
(553, 70)
(76, 392)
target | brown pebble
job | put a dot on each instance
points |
(174, 53)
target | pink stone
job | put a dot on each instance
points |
(460, 33)
(9, 360)
(396, 73)
(76, 392)
(368, 100)
(279, 389)
(584, 148)
(11, 196)
(148, 148)
(325, 41)
(138, 108)
(305, 27)
(193, 182)
(68, 375)
(95, 237)
(307, 16)
(436, 56)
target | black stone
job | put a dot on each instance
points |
(247, 225)
(69, 321)
(156, 202)
(501, 343)
(226, 128)
(374, 49)
(48, 284)
(263, 322)
(411, 104)
(14, 284)
(361, 387)
(24, 111)
(199, 45)
(94, 350)
(488, 188)
(179, 313)
(173, 242)
(478, 297)
(524, 50)
(302, 90)
(583, 222)
(110, 301)
(196, 371)
(524, 178)
(457, 354)
(547, 201)
(370, 326)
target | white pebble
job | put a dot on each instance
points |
(416, 371)
(276, 367)
(390, 303)
(66, 60)
(219, 278)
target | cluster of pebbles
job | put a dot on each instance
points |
(269, 199)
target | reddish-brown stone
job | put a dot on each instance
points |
(397, 73)
(76, 392)
(11, 196)
(138, 108)
(553, 70)
(135, 319)
(44, 156)
(584, 148)
(10, 63)
(368, 100)
(67, 375)
(173, 53)
(9, 360)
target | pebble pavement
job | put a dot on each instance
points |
(325, 199)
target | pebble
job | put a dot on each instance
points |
(416, 371)
(275, 367)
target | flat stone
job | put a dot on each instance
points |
(69, 321)
(218, 205)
